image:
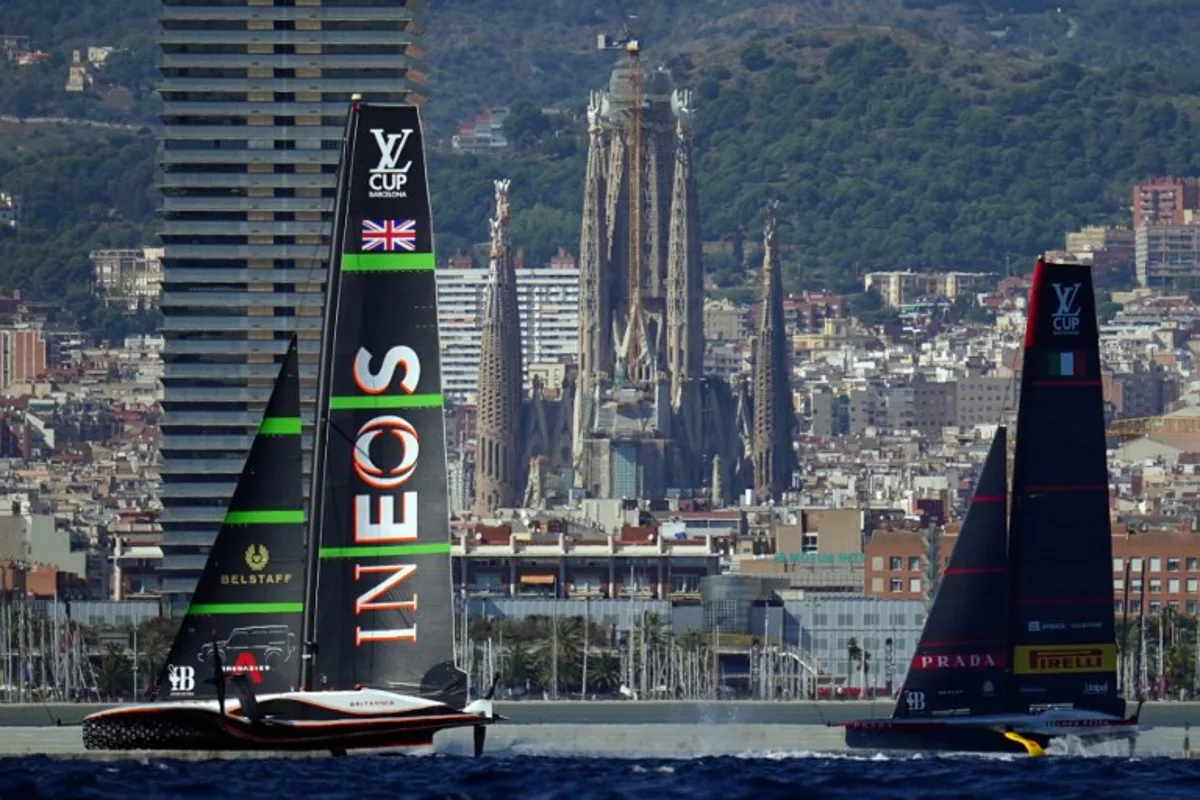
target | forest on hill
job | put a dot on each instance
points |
(949, 135)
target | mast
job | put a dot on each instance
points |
(320, 415)
(1060, 542)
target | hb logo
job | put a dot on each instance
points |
(1067, 317)
(183, 679)
(915, 700)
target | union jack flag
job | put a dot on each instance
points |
(389, 234)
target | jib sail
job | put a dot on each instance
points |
(248, 602)
(961, 660)
(382, 614)
(1064, 648)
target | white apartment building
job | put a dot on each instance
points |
(548, 298)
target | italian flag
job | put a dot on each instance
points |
(1067, 365)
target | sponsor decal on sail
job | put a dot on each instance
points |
(1067, 316)
(389, 177)
(1064, 658)
(257, 557)
(375, 507)
(959, 660)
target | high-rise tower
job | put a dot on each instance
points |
(254, 100)
(773, 455)
(497, 472)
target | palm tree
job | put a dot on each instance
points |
(517, 666)
(853, 655)
(693, 640)
(114, 670)
(604, 671)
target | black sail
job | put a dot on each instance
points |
(961, 661)
(249, 599)
(1060, 544)
(382, 614)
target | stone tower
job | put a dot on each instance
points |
(498, 476)
(773, 455)
(638, 425)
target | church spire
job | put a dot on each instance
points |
(773, 429)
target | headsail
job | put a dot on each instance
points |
(1060, 544)
(381, 613)
(962, 658)
(250, 596)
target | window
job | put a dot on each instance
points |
(877, 562)
(821, 619)
(877, 585)
(1135, 585)
(894, 562)
(914, 584)
(1118, 564)
(1154, 606)
(897, 585)
(914, 563)
(1191, 608)
(898, 619)
(1156, 564)
(1117, 609)
(845, 620)
(1136, 566)
(1135, 607)
(1173, 586)
(870, 620)
(1192, 563)
(1155, 585)
(1172, 565)
(1118, 585)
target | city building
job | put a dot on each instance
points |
(898, 289)
(1164, 254)
(128, 279)
(1164, 201)
(254, 101)
(548, 303)
(484, 134)
(22, 356)
(10, 210)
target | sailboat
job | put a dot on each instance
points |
(1019, 647)
(336, 632)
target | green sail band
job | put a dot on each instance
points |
(280, 517)
(279, 426)
(387, 262)
(385, 402)
(211, 609)
(366, 551)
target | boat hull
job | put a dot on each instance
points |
(1008, 733)
(295, 721)
(934, 738)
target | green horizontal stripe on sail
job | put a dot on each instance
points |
(245, 608)
(366, 551)
(387, 262)
(280, 517)
(382, 402)
(279, 426)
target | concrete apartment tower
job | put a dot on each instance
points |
(773, 455)
(254, 102)
(497, 472)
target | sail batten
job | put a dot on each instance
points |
(380, 594)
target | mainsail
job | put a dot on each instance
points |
(1060, 542)
(248, 602)
(961, 660)
(380, 610)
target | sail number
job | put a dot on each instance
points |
(375, 502)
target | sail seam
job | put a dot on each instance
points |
(362, 551)
(378, 402)
(279, 426)
(245, 608)
(268, 517)
(387, 262)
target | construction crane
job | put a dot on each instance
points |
(633, 141)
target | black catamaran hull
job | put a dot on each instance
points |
(305, 721)
(925, 737)
(1028, 734)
